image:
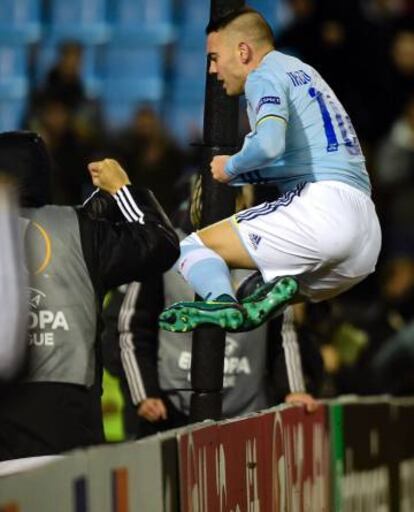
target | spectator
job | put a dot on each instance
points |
(69, 152)
(392, 366)
(63, 81)
(152, 157)
(359, 329)
(397, 84)
(395, 179)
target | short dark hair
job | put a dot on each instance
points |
(224, 20)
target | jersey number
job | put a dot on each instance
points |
(344, 123)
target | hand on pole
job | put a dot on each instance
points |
(217, 167)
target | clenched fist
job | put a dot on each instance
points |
(108, 175)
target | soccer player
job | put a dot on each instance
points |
(322, 236)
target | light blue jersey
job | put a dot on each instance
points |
(291, 108)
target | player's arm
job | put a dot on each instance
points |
(260, 147)
(266, 142)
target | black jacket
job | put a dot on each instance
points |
(119, 251)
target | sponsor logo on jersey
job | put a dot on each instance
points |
(267, 100)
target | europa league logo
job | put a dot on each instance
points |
(38, 248)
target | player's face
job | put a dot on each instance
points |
(225, 63)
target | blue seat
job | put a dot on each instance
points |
(133, 72)
(148, 21)
(13, 70)
(82, 20)
(185, 121)
(194, 17)
(194, 13)
(11, 114)
(20, 21)
(190, 74)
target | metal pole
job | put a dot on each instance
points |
(220, 137)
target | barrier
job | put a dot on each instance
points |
(352, 454)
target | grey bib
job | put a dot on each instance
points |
(63, 309)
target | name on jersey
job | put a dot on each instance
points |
(272, 100)
(299, 77)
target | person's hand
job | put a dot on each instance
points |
(217, 166)
(152, 409)
(302, 399)
(108, 175)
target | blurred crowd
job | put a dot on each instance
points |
(365, 51)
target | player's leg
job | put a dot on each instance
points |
(206, 257)
(225, 240)
(204, 263)
(207, 272)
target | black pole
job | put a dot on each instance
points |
(220, 137)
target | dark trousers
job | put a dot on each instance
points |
(46, 418)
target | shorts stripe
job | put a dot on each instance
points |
(270, 207)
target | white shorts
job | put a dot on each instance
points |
(326, 234)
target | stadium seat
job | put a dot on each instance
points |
(148, 21)
(20, 21)
(11, 113)
(13, 70)
(193, 19)
(82, 20)
(185, 121)
(133, 72)
(189, 74)
(194, 14)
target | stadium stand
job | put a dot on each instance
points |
(146, 21)
(128, 48)
(82, 20)
(20, 21)
(132, 73)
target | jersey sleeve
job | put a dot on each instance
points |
(267, 96)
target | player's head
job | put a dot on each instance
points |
(236, 43)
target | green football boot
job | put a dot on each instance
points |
(267, 301)
(186, 316)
